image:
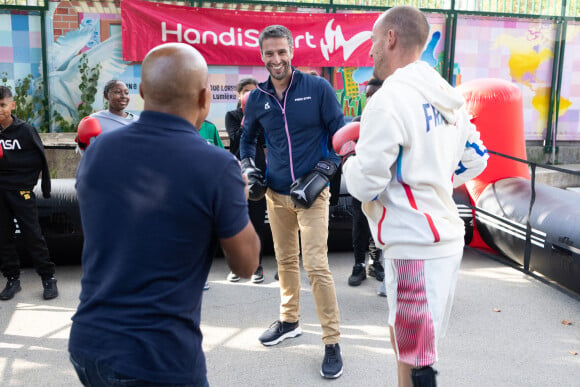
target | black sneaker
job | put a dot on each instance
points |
(12, 287)
(258, 276)
(280, 331)
(358, 275)
(50, 289)
(424, 376)
(332, 363)
(376, 270)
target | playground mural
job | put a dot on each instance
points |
(350, 82)
(519, 50)
(569, 117)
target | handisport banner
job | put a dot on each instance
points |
(230, 37)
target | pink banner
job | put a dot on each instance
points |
(230, 37)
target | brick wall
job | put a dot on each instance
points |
(66, 19)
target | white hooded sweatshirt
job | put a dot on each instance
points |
(416, 143)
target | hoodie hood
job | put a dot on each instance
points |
(429, 83)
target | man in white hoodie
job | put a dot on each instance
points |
(416, 143)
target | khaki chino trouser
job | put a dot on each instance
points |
(285, 221)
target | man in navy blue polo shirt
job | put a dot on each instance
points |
(153, 214)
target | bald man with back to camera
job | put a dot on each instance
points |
(153, 215)
(416, 143)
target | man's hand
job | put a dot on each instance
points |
(246, 187)
(256, 182)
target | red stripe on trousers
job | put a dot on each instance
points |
(414, 329)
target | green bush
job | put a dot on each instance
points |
(31, 105)
(88, 88)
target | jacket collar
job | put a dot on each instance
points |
(269, 87)
(166, 121)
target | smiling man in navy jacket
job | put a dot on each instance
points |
(299, 114)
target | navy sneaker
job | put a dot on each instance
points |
(280, 331)
(12, 287)
(376, 270)
(50, 289)
(332, 363)
(358, 275)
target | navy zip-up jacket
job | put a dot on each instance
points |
(298, 129)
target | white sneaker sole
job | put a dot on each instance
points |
(257, 280)
(331, 376)
(295, 333)
(335, 375)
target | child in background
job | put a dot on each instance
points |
(22, 159)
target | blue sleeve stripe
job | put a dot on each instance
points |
(476, 148)
(460, 169)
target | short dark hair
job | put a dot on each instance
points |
(245, 82)
(374, 82)
(5, 92)
(276, 31)
(109, 85)
(373, 85)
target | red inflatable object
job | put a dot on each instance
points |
(496, 108)
(497, 111)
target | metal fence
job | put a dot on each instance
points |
(562, 8)
(23, 4)
(554, 255)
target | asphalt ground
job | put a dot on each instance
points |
(506, 329)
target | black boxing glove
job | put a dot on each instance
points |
(306, 189)
(256, 182)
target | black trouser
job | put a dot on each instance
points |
(257, 212)
(362, 240)
(21, 205)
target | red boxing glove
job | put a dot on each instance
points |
(89, 128)
(347, 150)
(344, 140)
(1, 151)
